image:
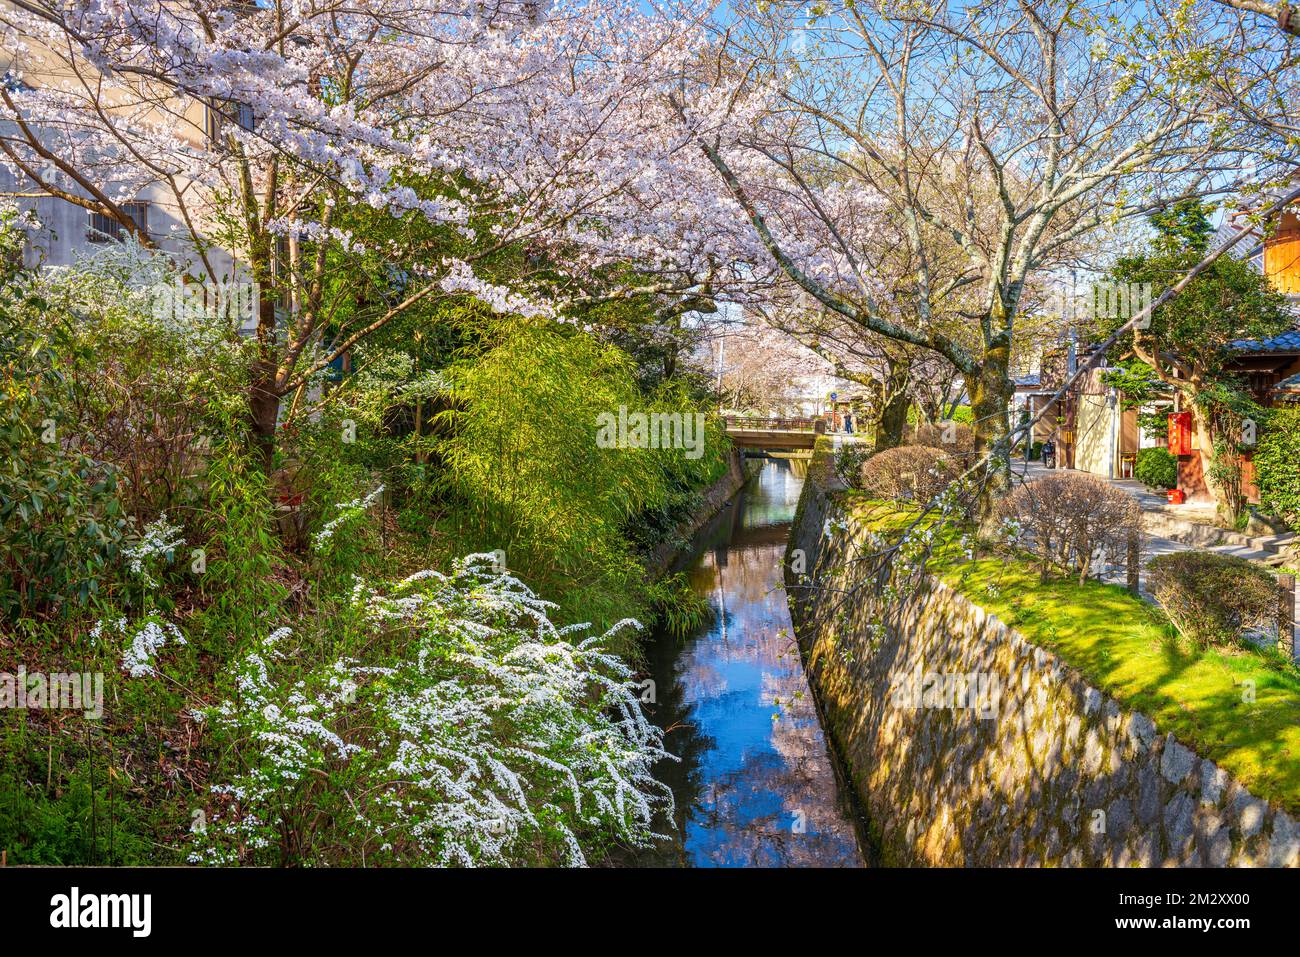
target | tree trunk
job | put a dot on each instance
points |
(893, 413)
(1228, 498)
(991, 391)
(263, 395)
(264, 411)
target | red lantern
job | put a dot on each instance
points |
(1180, 433)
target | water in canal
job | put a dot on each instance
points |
(756, 786)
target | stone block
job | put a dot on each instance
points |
(1141, 731)
(1213, 782)
(1247, 813)
(1176, 761)
(1284, 843)
(1178, 824)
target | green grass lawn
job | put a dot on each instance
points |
(1127, 648)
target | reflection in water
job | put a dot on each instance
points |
(755, 785)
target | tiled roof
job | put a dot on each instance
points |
(1288, 388)
(1285, 342)
(1247, 248)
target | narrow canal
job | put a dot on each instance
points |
(756, 785)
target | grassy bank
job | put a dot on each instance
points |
(1237, 706)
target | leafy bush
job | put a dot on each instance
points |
(1277, 465)
(1211, 597)
(59, 508)
(148, 381)
(678, 608)
(1036, 451)
(849, 461)
(523, 472)
(37, 827)
(474, 732)
(908, 473)
(1156, 468)
(1069, 520)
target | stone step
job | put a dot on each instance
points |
(1161, 522)
(1239, 551)
(1269, 543)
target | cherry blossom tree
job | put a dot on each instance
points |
(996, 138)
(354, 161)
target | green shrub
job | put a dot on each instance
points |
(678, 608)
(1036, 451)
(1277, 465)
(78, 819)
(524, 470)
(1156, 468)
(849, 461)
(63, 524)
(1211, 598)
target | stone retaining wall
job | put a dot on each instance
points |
(1043, 770)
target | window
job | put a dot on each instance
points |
(106, 229)
(221, 112)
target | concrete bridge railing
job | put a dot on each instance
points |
(760, 432)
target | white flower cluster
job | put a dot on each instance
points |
(347, 512)
(140, 656)
(24, 220)
(160, 538)
(489, 731)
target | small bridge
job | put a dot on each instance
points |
(748, 432)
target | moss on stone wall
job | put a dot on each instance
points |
(1108, 744)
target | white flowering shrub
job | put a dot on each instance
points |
(160, 539)
(141, 656)
(347, 511)
(142, 642)
(465, 729)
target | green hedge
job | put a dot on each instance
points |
(1157, 468)
(1277, 465)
